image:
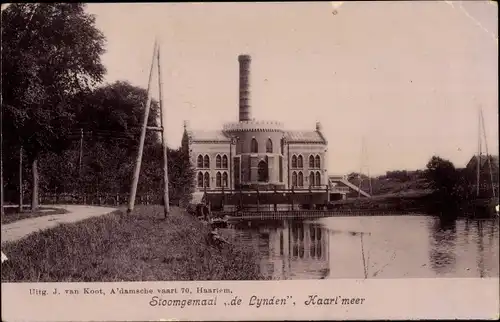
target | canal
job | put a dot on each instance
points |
(372, 247)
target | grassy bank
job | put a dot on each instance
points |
(403, 201)
(141, 246)
(12, 214)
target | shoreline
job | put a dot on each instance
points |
(141, 246)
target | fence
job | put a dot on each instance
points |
(99, 199)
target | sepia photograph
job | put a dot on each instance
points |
(254, 141)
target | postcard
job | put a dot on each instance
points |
(250, 161)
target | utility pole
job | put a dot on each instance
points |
(363, 166)
(137, 170)
(163, 138)
(478, 167)
(1, 155)
(21, 179)
(81, 154)
(488, 157)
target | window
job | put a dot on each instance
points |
(317, 162)
(301, 179)
(294, 179)
(218, 162)
(282, 143)
(318, 179)
(206, 180)
(206, 162)
(224, 162)
(294, 161)
(254, 148)
(269, 146)
(199, 162)
(300, 162)
(224, 180)
(200, 179)
(263, 174)
(311, 161)
(218, 180)
(311, 179)
(236, 171)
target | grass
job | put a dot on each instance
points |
(12, 214)
(141, 246)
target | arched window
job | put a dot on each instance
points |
(218, 180)
(218, 162)
(200, 179)
(263, 174)
(300, 162)
(224, 180)
(199, 162)
(254, 148)
(294, 161)
(311, 161)
(206, 180)
(224, 162)
(301, 179)
(269, 146)
(317, 162)
(311, 179)
(318, 179)
(206, 162)
(294, 179)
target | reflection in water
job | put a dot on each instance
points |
(294, 250)
(480, 246)
(374, 247)
(442, 246)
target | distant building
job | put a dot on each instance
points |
(252, 153)
(486, 177)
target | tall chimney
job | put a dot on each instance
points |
(245, 103)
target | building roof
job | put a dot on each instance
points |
(484, 161)
(304, 137)
(290, 136)
(208, 136)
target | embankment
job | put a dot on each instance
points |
(410, 201)
(141, 246)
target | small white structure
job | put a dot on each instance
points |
(4, 257)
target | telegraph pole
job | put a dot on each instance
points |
(163, 138)
(488, 157)
(145, 127)
(21, 179)
(137, 170)
(363, 166)
(478, 167)
(1, 156)
(81, 154)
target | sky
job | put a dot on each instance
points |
(405, 78)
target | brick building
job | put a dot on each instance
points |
(255, 154)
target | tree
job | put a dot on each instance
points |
(114, 112)
(116, 108)
(444, 179)
(442, 175)
(50, 54)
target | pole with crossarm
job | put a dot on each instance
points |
(137, 170)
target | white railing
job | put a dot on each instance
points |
(253, 125)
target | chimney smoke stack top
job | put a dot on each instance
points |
(244, 88)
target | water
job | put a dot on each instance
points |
(373, 247)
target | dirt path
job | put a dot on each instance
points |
(24, 227)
